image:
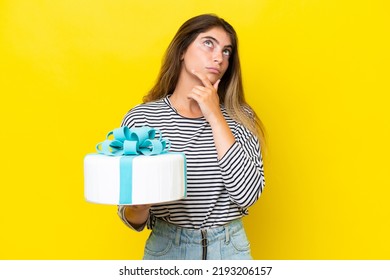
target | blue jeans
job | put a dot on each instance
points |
(170, 242)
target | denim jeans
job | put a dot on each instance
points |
(170, 242)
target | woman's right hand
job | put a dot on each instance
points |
(137, 215)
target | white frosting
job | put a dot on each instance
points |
(155, 179)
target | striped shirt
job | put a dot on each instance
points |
(218, 191)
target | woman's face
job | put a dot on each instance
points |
(209, 54)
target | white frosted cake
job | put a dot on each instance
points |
(131, 180)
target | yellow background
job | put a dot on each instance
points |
(315, 71)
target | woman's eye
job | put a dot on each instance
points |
(227, 52)
(208, 43)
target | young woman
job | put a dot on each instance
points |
(198, 104)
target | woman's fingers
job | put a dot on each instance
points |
(216, 84)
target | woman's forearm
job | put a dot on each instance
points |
(223, 137)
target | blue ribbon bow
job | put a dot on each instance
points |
(133, 141)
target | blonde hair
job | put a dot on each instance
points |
(230, 88)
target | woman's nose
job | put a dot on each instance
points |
(217, 57)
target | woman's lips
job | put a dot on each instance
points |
(213, 70)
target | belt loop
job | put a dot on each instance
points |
(177, 237)
(227, 236)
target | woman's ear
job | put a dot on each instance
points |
(182, 56)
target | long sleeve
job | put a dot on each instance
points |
(242, 169)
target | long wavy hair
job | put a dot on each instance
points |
(230, 88)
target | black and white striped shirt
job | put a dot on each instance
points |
(218, 191)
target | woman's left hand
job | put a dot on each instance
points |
(208, 101)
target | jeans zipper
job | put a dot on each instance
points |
(204, 244)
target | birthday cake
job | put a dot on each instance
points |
(134, 168)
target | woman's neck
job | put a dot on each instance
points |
(184, 105)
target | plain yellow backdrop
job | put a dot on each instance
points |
(316, 72)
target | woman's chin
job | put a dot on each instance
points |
(213, 78)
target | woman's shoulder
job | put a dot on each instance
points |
(143, 111)
(148, 107)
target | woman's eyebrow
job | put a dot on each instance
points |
(215, 40)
